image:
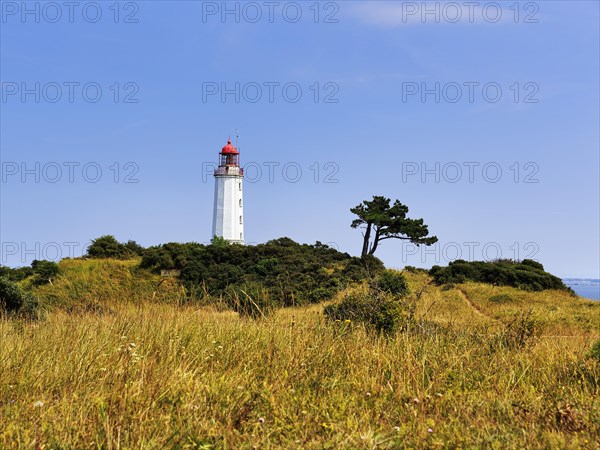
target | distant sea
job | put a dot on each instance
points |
(584, 287)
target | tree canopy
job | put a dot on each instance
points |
(382, 221)
(108, 247)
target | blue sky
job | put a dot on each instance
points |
(517, 111)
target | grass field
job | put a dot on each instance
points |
(139, 370)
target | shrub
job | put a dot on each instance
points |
(532, 263)
(219, 241)
(378, 309)
(527, 275)
(321, 293)
(501, 298)
(17, 274)
(15, 300)
(362, 268)
(108, 247)
(266, 266)
(392, 282)
(11, 295)
(30, 308)
(44, 271)
(134, 248)
(291, 273)
(380, 313)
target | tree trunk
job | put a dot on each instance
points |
(375, 242)
(365, 249)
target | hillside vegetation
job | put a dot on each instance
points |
(526, 275)
(285, 272)
(124, 359)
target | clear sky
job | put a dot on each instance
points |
(483, 120)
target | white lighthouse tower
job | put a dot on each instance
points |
(228, 217)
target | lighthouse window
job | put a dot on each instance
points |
(240, 185)
(240, 219)
(240, 202)
(240, 236)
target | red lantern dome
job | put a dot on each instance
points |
(229, 149)
(229, 161)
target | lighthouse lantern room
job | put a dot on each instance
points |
(228, 216)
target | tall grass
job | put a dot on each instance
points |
(156, 375)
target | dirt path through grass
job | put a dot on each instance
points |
(475, 307)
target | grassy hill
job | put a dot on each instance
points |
(100, 284)
(122, 362)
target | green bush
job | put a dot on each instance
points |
(532, 263)
(527, 275)
(321, 293)
(383, 314)
(30, 309)
(392, 282)
(134, 248)
(44, 271)
(358, 269)
(17, 274)
(378, 308)
(16, 301)
(108, 247)
(11, 295)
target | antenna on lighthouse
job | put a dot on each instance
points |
(237, 135)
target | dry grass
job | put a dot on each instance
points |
(155, 375)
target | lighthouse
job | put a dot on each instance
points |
(228, 215)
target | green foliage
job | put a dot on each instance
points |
(30, 308)
(266, 266)
(358, 269)
(384, 307)
(412, 269)
(16, 301)
(392, 282)
(532, 263)
(322, 293)
(380, 313)
(382, 221)
(44, 271)
(523, 275)
(17, 274)
(108, 247)
(172, 256)
(595, 351)
(290, 273)
(134, 248)
(219, 241)
(11, 295)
